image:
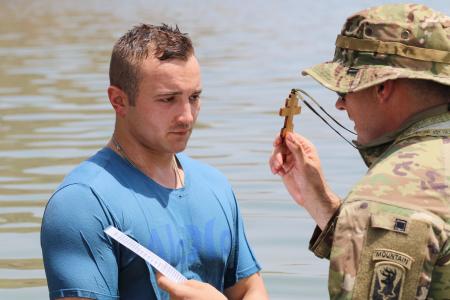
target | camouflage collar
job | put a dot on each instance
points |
(432, 122)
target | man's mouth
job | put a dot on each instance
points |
(181, 132)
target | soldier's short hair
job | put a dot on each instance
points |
(427, 90)
(162, 42)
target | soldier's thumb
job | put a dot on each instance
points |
(295, 147)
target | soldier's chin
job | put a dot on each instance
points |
(360, 139)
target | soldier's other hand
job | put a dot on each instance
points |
(189, 290)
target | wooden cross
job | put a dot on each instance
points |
(290, 109)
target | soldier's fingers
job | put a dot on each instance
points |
(308, 148)
(288, 164)
(278, 141)
(276, 160)
(295, 147)
(276, 163)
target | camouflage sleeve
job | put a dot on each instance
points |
(321, 241)
(384, 251)
(440, 287)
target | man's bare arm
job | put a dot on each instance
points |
(251, 287)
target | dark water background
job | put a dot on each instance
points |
(54, 113)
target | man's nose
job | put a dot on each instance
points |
(186, 113)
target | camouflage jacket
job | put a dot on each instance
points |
(390, 237)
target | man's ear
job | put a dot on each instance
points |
(118, 99)
(385, 90)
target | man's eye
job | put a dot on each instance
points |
(167, 100)
(194, 98)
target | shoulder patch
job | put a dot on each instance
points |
(387, 281)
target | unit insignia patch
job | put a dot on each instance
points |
(389, 274)
(387, 282)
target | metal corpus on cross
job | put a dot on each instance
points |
(290, 109)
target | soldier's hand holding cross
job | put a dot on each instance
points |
(296, 160)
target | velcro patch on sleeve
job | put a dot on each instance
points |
(391, 259)
(390, 222)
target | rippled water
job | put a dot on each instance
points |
(54, 113)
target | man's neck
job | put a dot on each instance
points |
(160, 167)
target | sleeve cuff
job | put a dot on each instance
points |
(79, 293)
(321, 241)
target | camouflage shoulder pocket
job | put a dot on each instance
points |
(392, 257)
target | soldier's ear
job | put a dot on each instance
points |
(384, 90)
(118, 99)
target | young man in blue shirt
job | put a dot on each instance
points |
(181, 209)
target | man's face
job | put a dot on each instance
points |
(166, 106)
(363, 109)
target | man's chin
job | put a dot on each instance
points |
(179, 147)
(179, 142)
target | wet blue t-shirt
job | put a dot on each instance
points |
(197, 229)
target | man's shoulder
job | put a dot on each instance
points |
(198, 168)
(96, 179)
(87, 171)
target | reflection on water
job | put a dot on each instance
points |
(22, 217)
(22, 283)
(22, 203)
(54, 113)
(22, 264)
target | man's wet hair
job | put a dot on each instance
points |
(162, 42)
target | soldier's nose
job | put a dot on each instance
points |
(340, 103)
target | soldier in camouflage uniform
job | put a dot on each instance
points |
(389, 238)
